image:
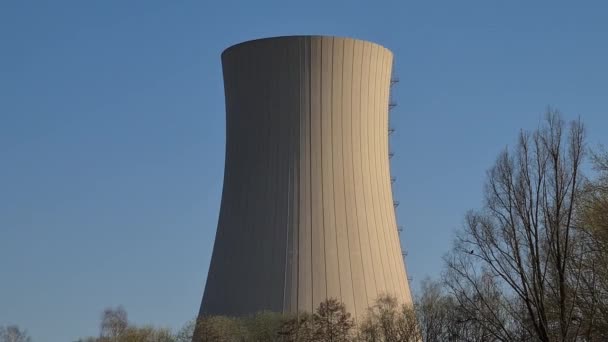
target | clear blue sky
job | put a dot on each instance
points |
(112, 133)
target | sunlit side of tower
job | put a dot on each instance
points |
(307, 207)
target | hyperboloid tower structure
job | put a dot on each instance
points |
(307, 211)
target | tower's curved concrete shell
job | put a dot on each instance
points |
(307, 208)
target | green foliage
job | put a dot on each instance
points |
(298, 328)
(219, 329)
(264, 326)
(146, 334)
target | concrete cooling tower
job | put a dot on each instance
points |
(307, 208)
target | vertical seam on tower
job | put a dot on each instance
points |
(352, 160)
(297, 150)
(390, 228)
(346, 227)
(287, 236)
(387, 228)
(369, 168)
(333, 165)
(385, 225)
(378, 205)
(276, 158)
(250, 219)
(402, 278)
(321, 152)
(312, 283)
(361, 160)
(241, 202)
(289, 175)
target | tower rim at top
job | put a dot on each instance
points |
(296, 36)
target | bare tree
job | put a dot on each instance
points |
(88, 339)
(387, 321)
(522, 245)
(218, 329)
(448, 315)
(13, 333)
(186, 332)
(477, 308)
(331, 322)
(115, 327)
(114, 322)
(432, 310)
(298, 328)
(593, 221)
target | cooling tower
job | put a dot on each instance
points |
(307, 208)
